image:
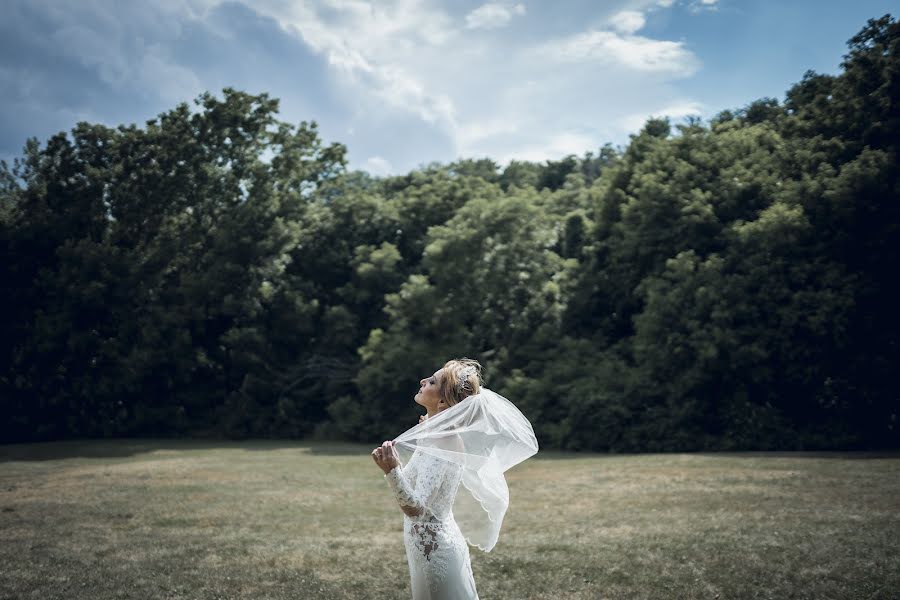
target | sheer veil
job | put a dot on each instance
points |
(486, 435)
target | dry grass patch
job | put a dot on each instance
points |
(179, 519)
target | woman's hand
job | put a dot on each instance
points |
(385, 456)
(423, 418)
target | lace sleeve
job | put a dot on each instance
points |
(436, 484)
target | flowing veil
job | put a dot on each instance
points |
(486, 435)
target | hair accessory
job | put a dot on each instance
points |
(463, 376)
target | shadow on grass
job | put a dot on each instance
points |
(844, 454)
(125, 447)
(122, 448)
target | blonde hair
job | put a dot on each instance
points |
(462, 378)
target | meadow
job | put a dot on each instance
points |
(170, 519)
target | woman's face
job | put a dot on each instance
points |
(428, 395)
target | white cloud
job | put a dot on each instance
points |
(411, 75)
(469, 134)
(698, 6)
(493, 15)
(93, 51)
(100, 39)
(173, 82)
(634, 122)
(377, 165)
(554, 147)
(631, 51)
(489, 96)
(370, 44)
(627, 21)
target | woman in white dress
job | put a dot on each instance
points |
(425, 489)
(452, 490)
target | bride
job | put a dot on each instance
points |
(451, 489)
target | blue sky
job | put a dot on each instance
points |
(405, 82)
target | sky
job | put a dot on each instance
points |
(403, 83)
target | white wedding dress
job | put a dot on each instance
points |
(436, 551)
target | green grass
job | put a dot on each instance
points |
(203, 520)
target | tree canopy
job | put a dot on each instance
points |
(217, 271)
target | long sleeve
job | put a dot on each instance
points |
(435, 488)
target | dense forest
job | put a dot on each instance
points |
(220, 272)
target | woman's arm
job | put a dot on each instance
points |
(436, 483)
(409, 502)
(386, 458)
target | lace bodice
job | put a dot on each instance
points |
(426, 487)
(425, 490)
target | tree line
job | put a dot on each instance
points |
(220, 272)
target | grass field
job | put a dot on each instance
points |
(205, 520)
